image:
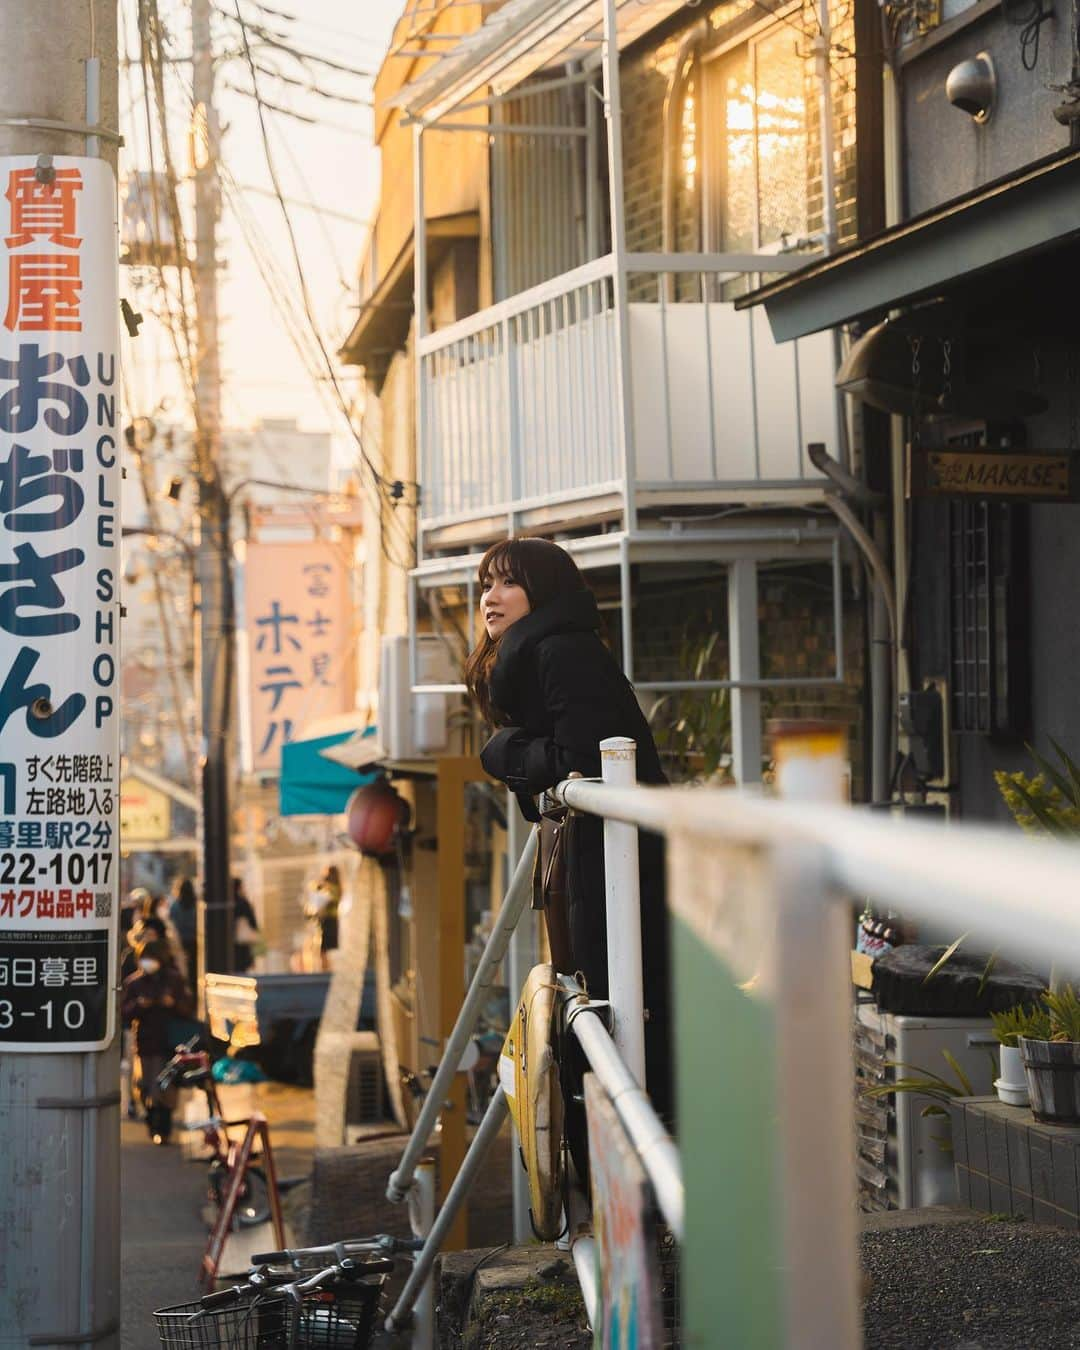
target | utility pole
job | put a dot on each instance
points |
(216, 623)
(60, 452)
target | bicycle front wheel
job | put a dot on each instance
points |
(253, 1204)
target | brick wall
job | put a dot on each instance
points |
(674, 623)
(646, 72)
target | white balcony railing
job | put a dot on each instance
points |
(521, 401)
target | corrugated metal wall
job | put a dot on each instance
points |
(538, 192)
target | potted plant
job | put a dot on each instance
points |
(1052, 1060)
(1009, 1026)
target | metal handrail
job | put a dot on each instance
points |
(599, 269)
(517, 896)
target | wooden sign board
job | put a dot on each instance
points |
(1019, 476)
(624, 1222)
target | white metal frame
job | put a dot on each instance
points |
(782, 906)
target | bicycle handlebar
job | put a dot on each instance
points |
(382, 1242)
(222, 1298)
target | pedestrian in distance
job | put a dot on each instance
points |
(542, 674)
(150, 1000)
(184, 914)
(322, 907)
(152, 921)
(245, 929)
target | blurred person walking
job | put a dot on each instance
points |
(245, 929)
(150, 1001)
(184, 914)
(322, 908)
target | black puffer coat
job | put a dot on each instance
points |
(562, 693)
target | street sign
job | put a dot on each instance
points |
(145, 813)
(59, 603)
(1019, 475)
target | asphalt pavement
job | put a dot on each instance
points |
(163, 1205)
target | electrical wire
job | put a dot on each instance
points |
(382, 482)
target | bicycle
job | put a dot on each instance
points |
(292, 1301)
(190, 1067)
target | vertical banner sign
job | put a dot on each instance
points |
(298, 619)
(59, 604)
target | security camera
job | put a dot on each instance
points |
(972, 87)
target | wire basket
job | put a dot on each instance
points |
(339, 1317)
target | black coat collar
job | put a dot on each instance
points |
(575, 612)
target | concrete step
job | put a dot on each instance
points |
(511, 1298)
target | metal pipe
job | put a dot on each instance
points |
(584, 1250)
(623, 364)
(421, 1220)
(622, 887)
(673, 109)
(822, 50)
(474, 1159)
(869, 550)
(652, 1143)
(1004, 888)
(517, 897)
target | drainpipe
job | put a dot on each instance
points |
(884, 620)
(821, 47)
(673, 111)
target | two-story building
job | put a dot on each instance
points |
(963, 315)
(597, 183)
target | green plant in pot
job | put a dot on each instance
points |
(1009, 1026)
(1052, 1059)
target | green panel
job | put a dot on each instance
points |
(732, 1279)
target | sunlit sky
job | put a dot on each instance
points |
(332, 166)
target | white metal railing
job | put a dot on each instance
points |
(761, 886)
(521, 405)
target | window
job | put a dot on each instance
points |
(755, 144)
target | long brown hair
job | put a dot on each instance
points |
(544, 571)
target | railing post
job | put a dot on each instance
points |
(618, 759)
(744, 646)
(620, 283)
(522, 955)
(813, 1008)
(421, 1219)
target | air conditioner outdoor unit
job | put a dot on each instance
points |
(412, 725)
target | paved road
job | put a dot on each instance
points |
(164, 1233)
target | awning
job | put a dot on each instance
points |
(519, 39)
(313, 785)
(382, 326)
(1020, 215)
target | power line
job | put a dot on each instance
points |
(284, 42)
(381, 481)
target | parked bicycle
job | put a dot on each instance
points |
(310, 1298)
(190, 1067)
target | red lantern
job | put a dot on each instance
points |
(374, 813)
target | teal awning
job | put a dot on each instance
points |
(310, 784)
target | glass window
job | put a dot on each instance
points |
(756, 113)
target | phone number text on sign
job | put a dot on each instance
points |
(59, 603)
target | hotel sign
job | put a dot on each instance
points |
(992, 473)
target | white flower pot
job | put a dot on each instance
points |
(1012, 1086)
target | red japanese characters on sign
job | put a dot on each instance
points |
(44, 289)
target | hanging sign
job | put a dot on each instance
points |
(299, 643)
(59, 603)
(1026, 475)
(145, 813)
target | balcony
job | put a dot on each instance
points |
(522, 421)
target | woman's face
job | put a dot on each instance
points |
(502, 602)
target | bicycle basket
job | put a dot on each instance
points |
(339, 1317)
(256, 1322)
